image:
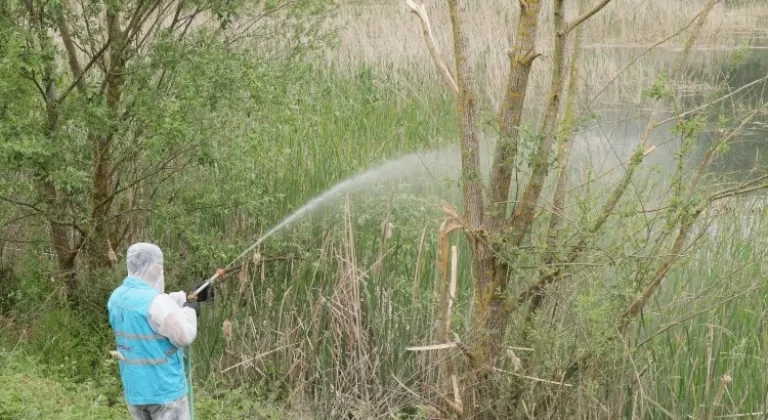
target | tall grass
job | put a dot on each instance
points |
(330, 331)
(322, 318)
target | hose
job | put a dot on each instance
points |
(190, 392)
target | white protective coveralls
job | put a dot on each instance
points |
(167, 317)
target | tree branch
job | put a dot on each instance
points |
(741, 190)
(133, 23)
(69, 45)
(22, 203)
(242, 33)
(638, 56)
(714, 102)
(158, 18)
(176, 15)
(710, 153)
(661, 273)
(31, 77)
(79, 80)
(41, 212)
(142, 178)
(581, 19)
(566, 135)
(191, 18)
(132, 31)
(421, 11)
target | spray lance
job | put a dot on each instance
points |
(220, 273)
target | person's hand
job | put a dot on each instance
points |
(179, 297)
(193, 305)
(206, 294)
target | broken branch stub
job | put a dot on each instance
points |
(434, 51)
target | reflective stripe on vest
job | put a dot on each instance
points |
(162, 361)
(139, 336)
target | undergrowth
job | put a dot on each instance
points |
(32, 389)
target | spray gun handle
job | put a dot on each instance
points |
(192, 297)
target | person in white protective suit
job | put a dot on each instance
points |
(151, 329)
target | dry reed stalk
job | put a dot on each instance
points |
(452, 287)
(724, 381)
(417, 268)
(386, 233)
(458, 406)
(353, 358)
(710, 339)
(443, 316)
(227, 359)
(256, 358)
(442, 346)
(243, 278)
(379, 37)
(450, 224)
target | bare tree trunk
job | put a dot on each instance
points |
(61, 234)
(101, 189)
(470, 159)
(565, 138)
(467, 110)
(523, 216)
(521, 60)
(62, 241)
(492, 312)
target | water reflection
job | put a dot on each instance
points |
(607, 141)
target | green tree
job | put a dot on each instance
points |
(105, 101)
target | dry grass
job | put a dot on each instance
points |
(388, 38)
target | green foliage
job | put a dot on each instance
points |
(180, 97)
(660, 88)
(29, 283)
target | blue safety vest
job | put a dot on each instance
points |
(151, 367)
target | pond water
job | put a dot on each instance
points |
(609, 140)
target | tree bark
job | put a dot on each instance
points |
(101, 189)
(521, 60)
(565, 139)
(467, 110)
(61, 235)
(523, 216)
